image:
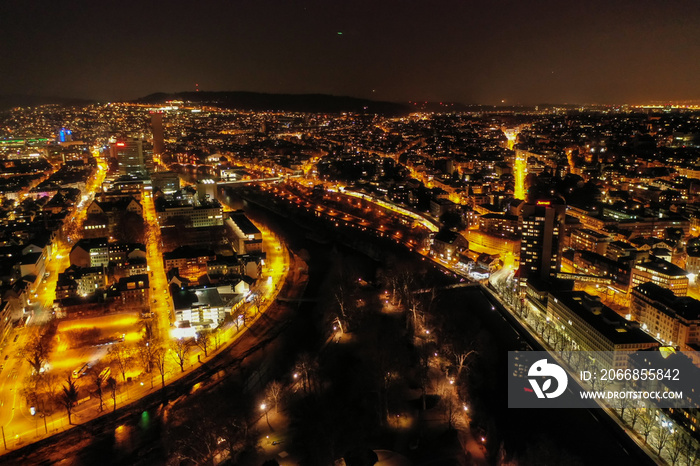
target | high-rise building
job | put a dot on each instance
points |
(158, 133)
(542, 234)
(129, 156)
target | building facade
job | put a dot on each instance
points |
(673, 320)
(542, 232)
(662, 273)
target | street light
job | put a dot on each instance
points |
(263, 407)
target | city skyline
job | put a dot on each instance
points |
(147, 245)
(365, 233)
(511, 53)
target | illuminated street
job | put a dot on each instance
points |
(350, 233)
(161, 302)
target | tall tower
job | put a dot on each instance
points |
(158, 133)
(542, 234)
(129, 155)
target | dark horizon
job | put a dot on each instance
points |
(8, 101)
(510, 53)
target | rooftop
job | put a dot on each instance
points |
(185, 252)
(196, 297)
(604, 320)
(686, 307)
(244, 224)
(662, 267)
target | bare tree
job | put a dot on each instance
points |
(341, 299)
(625, 403)
(274, 393)
(46, 382)
(145, 350)
(159, 357)
(180, 351)
(198, 441)
(635, 413)
(662, 436)
(691, 451)
(460, 356)
(647, 422)
(122, 356)
(30, 390)
(203, 341)
(675, 447)
(423, 373)
(306, 367)
(40, 388)
(413, 309)
(448, 403)
(112, 386)
(237, 436)
(406, 285)
(69, 396)
(36, 352)
(217, 335)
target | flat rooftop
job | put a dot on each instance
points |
(604, 320)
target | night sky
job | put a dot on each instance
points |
(565, 51)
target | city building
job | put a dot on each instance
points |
(669, 361)
(6, 320)
(134, 266)
(440, 205)
(617, 249)
(584, 239)
(247, 237)
(198, 307)
(90, 252)
(224, 266)
(591, 264)
(692, 262)
(448, 244)
(201, 214)
(104, 218)
(592, 326)
(206, 190)
(541, 242)
(121, 253)
(80, 281)
(672, 319)
(129, 156)
(168, 182)
(114, 208)
(134, 290)
(98, 252)
(504, 225)
(158, 133)
(189, 261)
(663, 273)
